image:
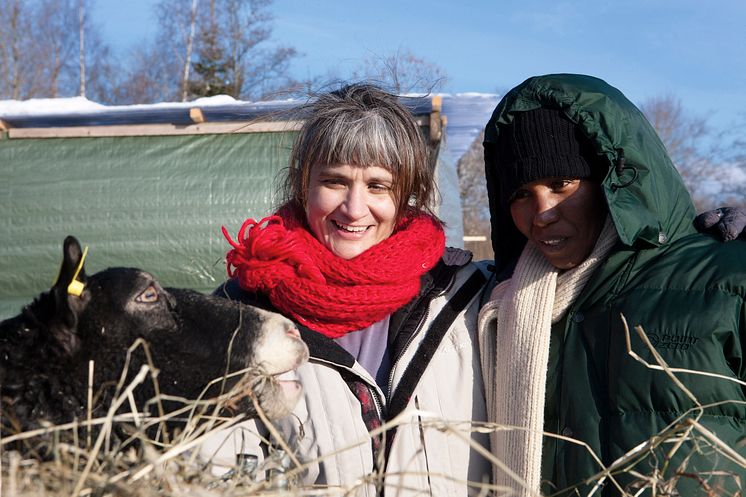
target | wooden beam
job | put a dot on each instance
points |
(196, 115)
(155, 129)
(170, 129)
(436, 129)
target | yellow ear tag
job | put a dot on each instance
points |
(76, 287)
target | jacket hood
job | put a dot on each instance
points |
(646, 196)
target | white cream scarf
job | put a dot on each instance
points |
(514, 329)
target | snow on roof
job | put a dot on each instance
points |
(81, 105)
(467, 113)
(78, 111)
(37, 106)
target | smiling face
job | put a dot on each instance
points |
(350, 208)
(563, 217)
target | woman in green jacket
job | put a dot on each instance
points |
(584, 196)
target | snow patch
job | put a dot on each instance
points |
(81, 105)
(48, 106)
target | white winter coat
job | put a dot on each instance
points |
(431, 453)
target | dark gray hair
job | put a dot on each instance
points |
(363, 125)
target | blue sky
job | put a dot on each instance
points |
(692, 49)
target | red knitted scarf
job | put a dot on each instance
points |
(280, 258)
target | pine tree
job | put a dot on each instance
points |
(211, 71)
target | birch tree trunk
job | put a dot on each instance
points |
(81, 21)
(15, 51)
(189, 48)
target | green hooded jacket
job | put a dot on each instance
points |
(685, 289)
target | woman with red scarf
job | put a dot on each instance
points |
(357, 259)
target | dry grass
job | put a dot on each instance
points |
(88, 460)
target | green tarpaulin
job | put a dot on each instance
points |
(154, 202)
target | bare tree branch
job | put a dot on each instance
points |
(709, 165)
(45, 48)
(474, 200)
(403, 72)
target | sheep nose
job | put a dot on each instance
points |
(293, 332)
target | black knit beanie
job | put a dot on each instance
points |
(541, 143)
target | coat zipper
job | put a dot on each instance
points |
(377, 402)
(373, 390)
(423, 320)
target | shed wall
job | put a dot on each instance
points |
(155, 202)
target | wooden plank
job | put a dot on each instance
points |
(475, 238)
(196, 115)
(4, 126)
(155, 129)
(170, 129)
(436, 129)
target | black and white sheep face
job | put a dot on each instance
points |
(193, 339)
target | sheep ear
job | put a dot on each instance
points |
(70, 281)
(72, 257)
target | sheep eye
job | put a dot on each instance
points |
(148, 296)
